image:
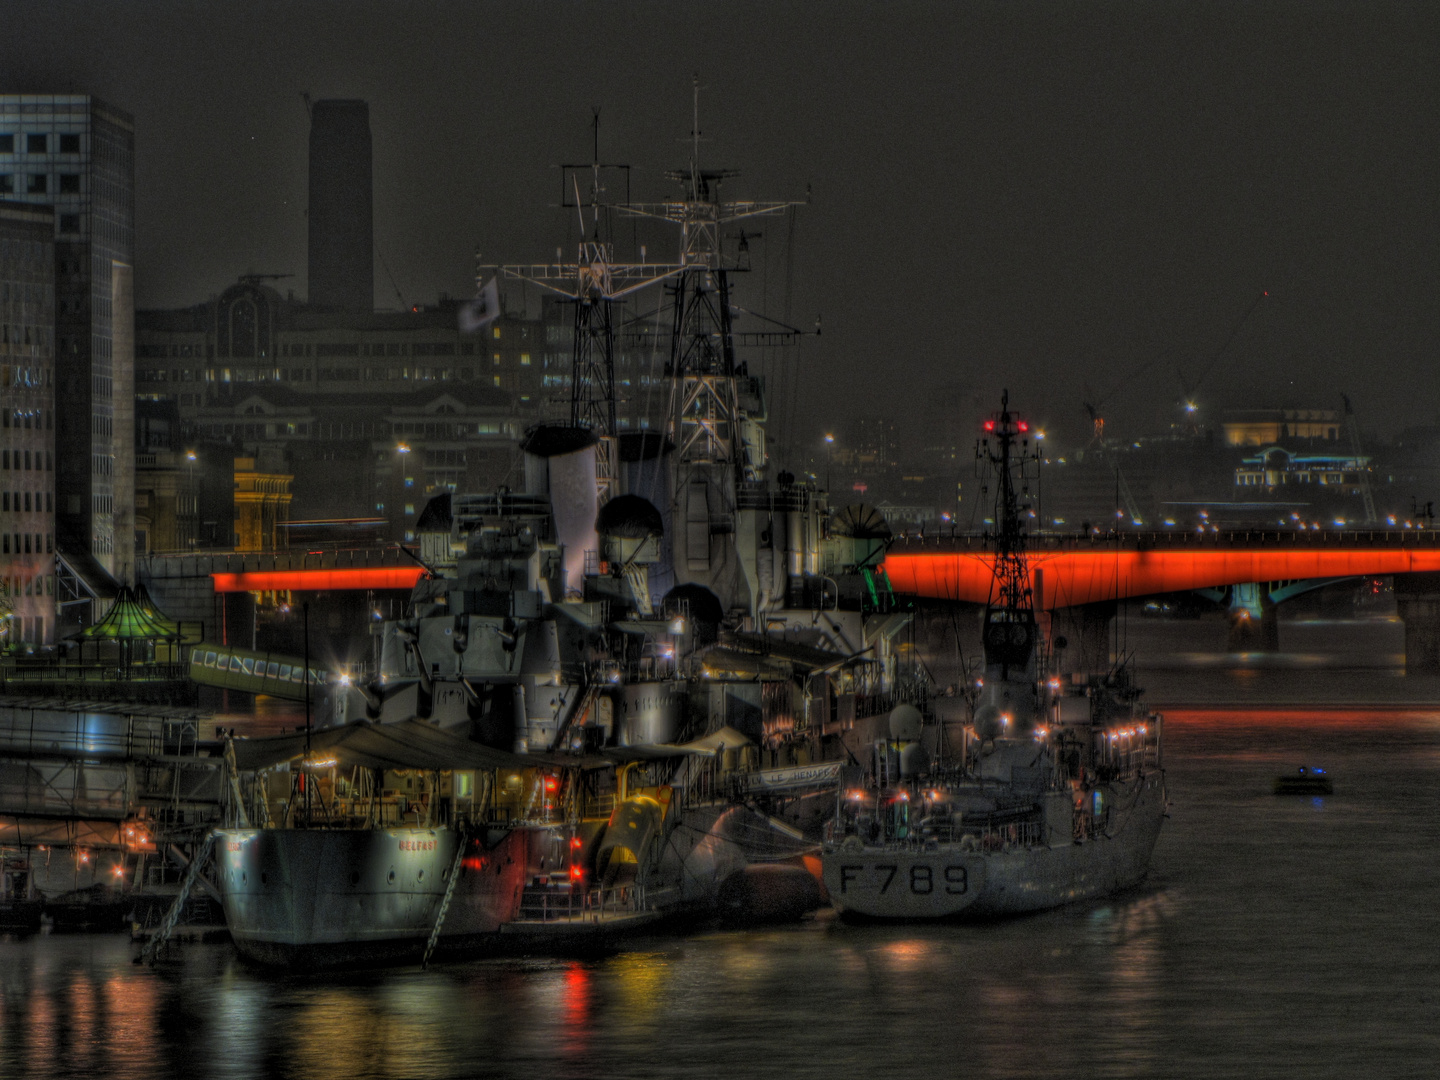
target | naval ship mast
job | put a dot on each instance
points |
(1006, 454)
(715, 451)
(594, 282)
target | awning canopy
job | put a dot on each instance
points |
(774, 657)
(410, 744)
(716, 741)
(133, 617)
(653, 752)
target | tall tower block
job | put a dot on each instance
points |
(75, 155)
(342, 261)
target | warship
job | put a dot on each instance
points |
(1057, 793)
(623, 691)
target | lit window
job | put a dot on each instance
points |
(497, 333)
(497, 380)
(524, 359)
(410, 509)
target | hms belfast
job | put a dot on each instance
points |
(624, 690)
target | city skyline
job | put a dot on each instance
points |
(1082, 209)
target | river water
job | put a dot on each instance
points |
(1275, 937)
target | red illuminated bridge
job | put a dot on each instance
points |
(1078, 578)
(1071, 571)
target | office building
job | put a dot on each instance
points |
(27, 426)
(340, 394)
(77, 154)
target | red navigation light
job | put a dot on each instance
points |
(1023, 426)
(551, 784)
(575, 841)
(989, 425)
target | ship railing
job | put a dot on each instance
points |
(999, 837)
(582, 905)
(1126, 752)
(987, 837)
(599, 805)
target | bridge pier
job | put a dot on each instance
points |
(1253, 624)
(1417, 602)
(1086, 630)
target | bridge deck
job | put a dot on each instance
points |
(290, 571)
(1067, 571)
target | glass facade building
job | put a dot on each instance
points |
(27, 425)
(76, 154)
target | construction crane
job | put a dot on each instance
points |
(1123, 498)
(1361, 464)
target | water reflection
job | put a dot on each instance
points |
(1274, 938)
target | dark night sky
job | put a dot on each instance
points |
(1038, 195)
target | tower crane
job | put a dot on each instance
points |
(1353, 427)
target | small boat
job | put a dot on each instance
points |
(1305, 782)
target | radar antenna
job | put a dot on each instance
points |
(593, 282)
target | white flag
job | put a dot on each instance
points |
(482, 311)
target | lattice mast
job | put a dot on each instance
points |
(1009, 457)
(704, 413)
(594, 282)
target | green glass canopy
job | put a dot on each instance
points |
(133, 617)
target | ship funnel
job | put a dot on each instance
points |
(560, 463)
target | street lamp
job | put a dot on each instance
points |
(193, 508)
(829, 458)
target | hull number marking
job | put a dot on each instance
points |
(922, 878)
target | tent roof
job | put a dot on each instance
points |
(410, 744)
(132, 617)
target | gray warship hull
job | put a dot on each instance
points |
(964, 880)
(297, 897)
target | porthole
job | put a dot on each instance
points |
(391, 878)
(420, 875)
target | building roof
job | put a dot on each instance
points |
(475, 395)
(133, 617)
(410, 744)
